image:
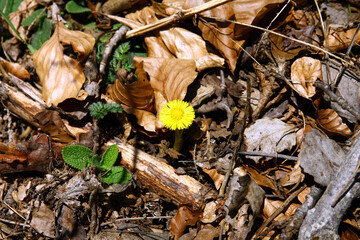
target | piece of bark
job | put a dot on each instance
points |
(322, 222)
(161, 178)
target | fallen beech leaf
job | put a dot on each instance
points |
(187, 45)
(332, 123)
(328, 154)
(25, 9)
(62, 76)
(302, 196)
(304, 72)
(227, 37)
(144, 118)
(270, 206)
(340, 40)
(183, 218)
(269, 136)
(209, 215)
(215, 176)
(138, 94)
(43, 220)
(293, 177)
(52, 124)
(208, 232)
(15, 69)
(260, 179)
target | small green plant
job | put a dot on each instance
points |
(98, 110)
(81, 157)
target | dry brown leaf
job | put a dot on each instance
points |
(62, 76)
(278, 49)
(215, 176)
(302, 195)
(139, 94)
(15, 69)
(43, 220)
(52, 124)
(183, 218)
(208, 232)
(338, 40)
(228, 37)
(293, 177)
(260, 179)
(144, 118)
(187, 45)
(304, 72)
(270, 206)
(25, 9)
(209, 215)
(332, 123)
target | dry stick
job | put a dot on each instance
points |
(119, 35)
(135, 219)
(325, 33)
(175, 17)
(15, 223)
(348, 185)
(278, 211)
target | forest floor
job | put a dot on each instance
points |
(179, 119)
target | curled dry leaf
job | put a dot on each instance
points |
(15, 69)
(338, 40)
(183, 218)
(25, 9)
(209, 215)
(215, 176)
(304, 72)
(270, 206)
(332, 123)
(61, 76)
(138, 94)
(302, 196)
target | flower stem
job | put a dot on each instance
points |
(178, 140)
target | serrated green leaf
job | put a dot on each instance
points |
(77, 156)
(42, 34)
(74, 7)
(114, 107)
(28, 21)
(109, 157)
(96, 160)
(117, 175)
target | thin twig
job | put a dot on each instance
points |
(135, 219)
(15, 223)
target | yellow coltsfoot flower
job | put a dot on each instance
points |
(177, 115)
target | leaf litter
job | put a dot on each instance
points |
(276, 119)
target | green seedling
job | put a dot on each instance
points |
(74, 7)
(98, 110)
(81, 157)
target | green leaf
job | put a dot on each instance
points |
(27, 22)
(74, 7)
(96, 161)
(42, 34)
(117, 175)
(98, 110)
(10, 5)
(90, 25)
(77, 156)
(116, 26)
(109, 157)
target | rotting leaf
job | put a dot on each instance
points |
(328, 154)
(270, 206)
(332, 123)
(304, 72)
(269, 136)
(61, 76)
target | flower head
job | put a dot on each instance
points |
(177, 115)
